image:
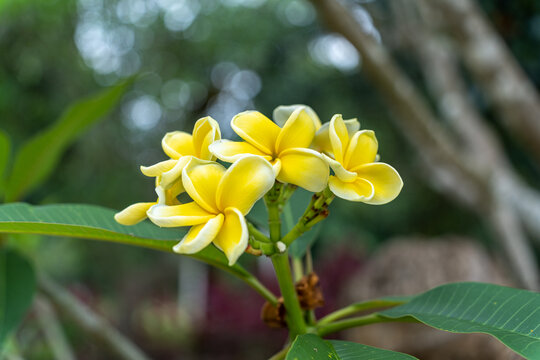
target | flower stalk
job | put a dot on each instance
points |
(294, 317)
(316, 211)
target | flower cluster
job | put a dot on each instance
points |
(294, 149)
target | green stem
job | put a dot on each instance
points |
(271, 199)
(295, 317)
(361, 306)
(350, 323)
(262, 290)
(298, 268)
(316, 211)
(259, 236)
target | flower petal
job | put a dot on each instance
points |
(159, 168)
(385, 179)
(282, 113)
(233, 237)
(359, 190)
(133, 214)
(321, 142)
(342, 173)
(245, 182)
(230, 151)
(339, 137)
(305, 168)
(362, 149)
(201, 179)
(256, 129)
(169, 196)
(199, 236)
(173, 176)
(276, 165)
(178, 215)
(177, 144)
(298, 131)
(205, 132)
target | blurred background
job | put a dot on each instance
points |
(448, 87)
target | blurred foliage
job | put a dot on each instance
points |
(203, 57)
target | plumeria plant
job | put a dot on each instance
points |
(273, 159)
(223, 180)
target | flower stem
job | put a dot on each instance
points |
(295, 317)
(350, 323)
(259, 236)
(271, 199)
(316, 211)
(361, 306)
(261, 289)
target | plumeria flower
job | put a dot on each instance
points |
(180, 147)
(221, 199)
(358, 177)
(282, 113)
(286, 147)
(136, 213)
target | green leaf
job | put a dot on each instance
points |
(347, 350)
(312, 347)
(17, 287)
(94, 222)
(511, 315)
(5, 147)
(38, 157)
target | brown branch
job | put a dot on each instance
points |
(441, 71)
(452, 169)
(90, 322)
(495, 69)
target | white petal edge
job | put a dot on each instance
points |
(342, 173)
(351, 195)
(244, 240)
(159, 168)
(205, 234)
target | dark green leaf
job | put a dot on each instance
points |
(17, 286)
(311, 347)
(511, 315)
(347, 350)
(94, 222)
(38, 157)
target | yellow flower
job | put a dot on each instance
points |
(283, 112)
(357, 176)
(136, 213)
(286, 148)
(180, 146)
(221, 198)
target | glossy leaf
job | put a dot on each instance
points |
(38, 157)
(17, 287)
(94, 222)
(347, 350)
(313, 347)
(511, 315)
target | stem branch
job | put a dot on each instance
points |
(295, 317)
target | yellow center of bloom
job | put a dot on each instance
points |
(287, 147)
(352, 157)
(221, 198)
